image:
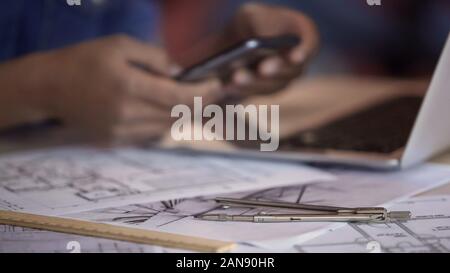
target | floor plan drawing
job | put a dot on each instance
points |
(168, 213)
(60, 181)
(178, 215)
(427, 231)
(17, 239)
(164, 191)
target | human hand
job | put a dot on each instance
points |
(95, 88)
(275, 72)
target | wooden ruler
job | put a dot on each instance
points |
(109, 231)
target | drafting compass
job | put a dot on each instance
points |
(321, 213)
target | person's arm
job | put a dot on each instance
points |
(94, 88)
(22, 89)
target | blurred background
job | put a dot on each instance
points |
(399, 38)
(361, 45)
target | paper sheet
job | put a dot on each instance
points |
(427, 231)
(432, 212)
(23, 240)
(352, 188)
(61, 181)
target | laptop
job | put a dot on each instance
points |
(395, 133)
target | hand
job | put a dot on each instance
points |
(95, 87)
(273, 73)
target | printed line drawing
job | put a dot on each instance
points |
(423, 233)
(62, 181)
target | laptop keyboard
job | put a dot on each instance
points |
(382, 128)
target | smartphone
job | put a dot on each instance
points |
(247, 53)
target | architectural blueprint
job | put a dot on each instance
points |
(60, 181)
(351, 188)
(17, 239)
(427, 231)
(164, 191)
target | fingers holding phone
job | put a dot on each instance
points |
(256, 19)
(273, 46)
(274, 72)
